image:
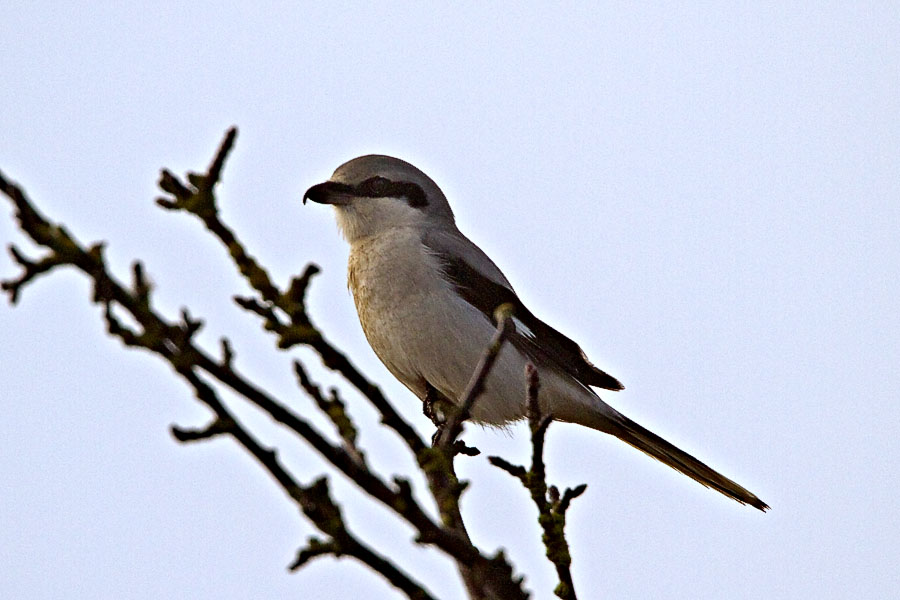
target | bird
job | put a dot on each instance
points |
(426, 295)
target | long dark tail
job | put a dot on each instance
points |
(648, 442)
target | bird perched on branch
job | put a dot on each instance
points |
(426, 296)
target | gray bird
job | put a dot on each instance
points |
(426, 296)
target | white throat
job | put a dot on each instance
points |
(374, 216)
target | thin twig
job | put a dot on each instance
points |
(551, 508)
(334, 409)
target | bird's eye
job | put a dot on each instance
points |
(376, 186)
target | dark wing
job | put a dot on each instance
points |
(537, 340)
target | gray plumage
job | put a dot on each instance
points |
(425, 296)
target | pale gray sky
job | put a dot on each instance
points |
(706, 197)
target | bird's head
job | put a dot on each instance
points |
(373, 194)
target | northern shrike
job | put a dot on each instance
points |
(426, 296)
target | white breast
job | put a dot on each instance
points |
(395, 285)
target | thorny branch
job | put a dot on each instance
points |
(284, 313)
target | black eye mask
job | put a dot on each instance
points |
(381, 187)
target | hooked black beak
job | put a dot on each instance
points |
(329, 192)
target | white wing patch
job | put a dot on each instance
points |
(523, 329)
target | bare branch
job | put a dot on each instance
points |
(314, 500)
(517, 471)
(551, 508)
(314, 548)
(333, 407)
(30, 271)
(283, 313)
(227, 354)
(217, 427)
